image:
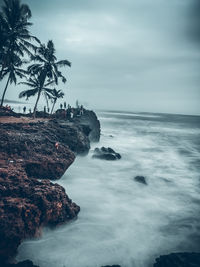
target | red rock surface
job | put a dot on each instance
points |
(37, 149)
(28, 152)
(27, 204)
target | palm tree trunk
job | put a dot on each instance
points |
(53, 106)
(36, 103)
(4, 92)
(39, 93)
(1, 71)
(46, 101)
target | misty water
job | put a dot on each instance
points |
(122, 221)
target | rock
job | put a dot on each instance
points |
(34, 145)
(90, 119)
(112, 266)
(26, 263)
(186, 259)
(106, 153)
(140, 179)
(32, 149)
(27, 204)
(4, 111)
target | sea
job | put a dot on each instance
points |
(123, 221)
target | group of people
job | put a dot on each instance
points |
(65, 111)
(68, 112)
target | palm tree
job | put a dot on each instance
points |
(47, 67)
(14, 34)
(55, 95)
(13, 71)
(34, 84)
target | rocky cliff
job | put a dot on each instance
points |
(31, 150)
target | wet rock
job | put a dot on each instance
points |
(106, 154)
(140, 179)
(27, 204)
(26, 263)
(185, 259)
(90, 119)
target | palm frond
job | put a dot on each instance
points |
(63, 63)
(28, 93)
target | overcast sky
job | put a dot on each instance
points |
(136, 55)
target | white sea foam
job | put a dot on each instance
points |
(122, 221)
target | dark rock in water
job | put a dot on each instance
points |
(112, 266)
(26, 263)
(185, 259)
(106, 153)
(140, 179)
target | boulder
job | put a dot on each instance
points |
(26, 263)
(140, 179)
(185, 259)
(106, 154)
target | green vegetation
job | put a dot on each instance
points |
(17, 50)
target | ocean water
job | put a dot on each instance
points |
(122, 221)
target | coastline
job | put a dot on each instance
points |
(47, 203)
(28, 153)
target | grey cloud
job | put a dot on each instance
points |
(125, 53)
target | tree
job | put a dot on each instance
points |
(14, 35)
(34, 84)
(13, 71)
(55, 95)
(47, 67)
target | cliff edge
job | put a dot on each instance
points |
(42, 149)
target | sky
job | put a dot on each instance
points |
(134, 55)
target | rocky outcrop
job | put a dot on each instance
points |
(31, 150)
(26, 204)
(32, 146)
(106, 153)
(26, 263)
(140, 179)
(90, 119)
(186, 259)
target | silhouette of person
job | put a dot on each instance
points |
(71, 114)
(65, 105)
(45, 109)
(61, 106)
(24, 109)
(81, 110)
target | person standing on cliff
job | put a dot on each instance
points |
(71, 114)
(24, 109)
(81, 110)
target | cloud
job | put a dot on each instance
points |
(141, 49)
